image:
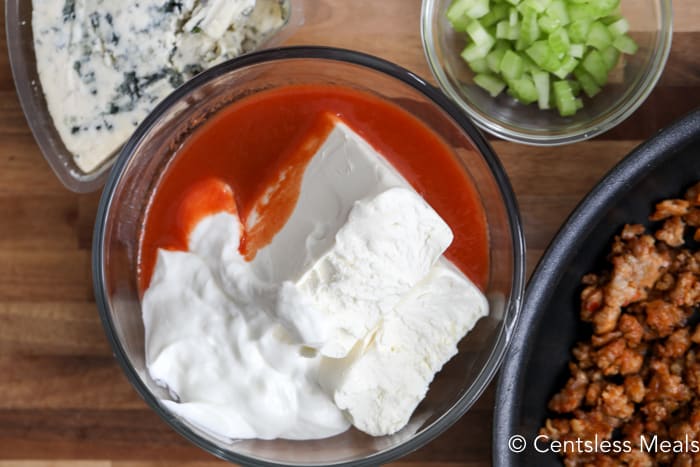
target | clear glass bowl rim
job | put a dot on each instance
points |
(511, 308)
(654, 71)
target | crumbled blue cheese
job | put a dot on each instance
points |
(105, 64)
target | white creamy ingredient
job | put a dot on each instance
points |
(105, 64)
(387, 245)
(236, 372)
(355, 272)
(410, 346)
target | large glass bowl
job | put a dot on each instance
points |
(651, 25)
(142, 160)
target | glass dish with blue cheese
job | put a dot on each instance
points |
(88, 72)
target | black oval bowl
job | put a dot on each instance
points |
(535, 367)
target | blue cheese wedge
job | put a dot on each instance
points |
(105, 64)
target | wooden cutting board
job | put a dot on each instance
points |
(64, 401)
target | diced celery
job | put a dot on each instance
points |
(475, 51)
(493, 59)
(529, 30)
(543, 56)
(625, 44)
(564, 98)
(600, 8)
(503, 30)
(576, 50)
(514, 32)
(541, 80)
(538, 5)
(598, 36)
(512, 65)
(610, 56)
(529, 65)
(557, 10)
(523, 89)
(619, 27)
(517, 44)
(479, 65)
(579, 12)
(594, 64)
(457, 14)
(578, 30)
(498, 12)
(478, 8)
(548, 24)
(559, 42)
(491, 83)
(608, 20)
(566, 67)
(478, 34)
(588, 84)
(513, 17)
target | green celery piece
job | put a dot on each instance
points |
(482, 42)
(598, 36)
(478, 9)
(514, 32)
(498, 12)
(478, 65)
(594, 64)
(610, 56)
(625, 44)
(601, 8)
(538, 5)
(523, 89)
(491, 83)
(567, 66)
(479, 35)
(474, 51)
(457, 12)
(588, 84)
(564, 98)
(579, 12)
(578, 30)
(557, 10)
(529, 30)
(542, 55)
(493, 59)
(513, 2)
(608, 20)
(559, 42)
(541, 80)
(512, 65)
(503, 30)
(548, 24)
(513, 17)
(576, 50)
(619, 27)
(529, 65)
(579, 103)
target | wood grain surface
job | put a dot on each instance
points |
(63, 400)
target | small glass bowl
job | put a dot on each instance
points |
(20, 45)
(651, 25)
(142, 160)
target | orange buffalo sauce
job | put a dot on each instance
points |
(237, 157)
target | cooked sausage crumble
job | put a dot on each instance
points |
(638, 375)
